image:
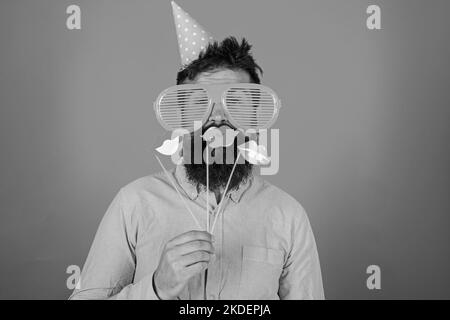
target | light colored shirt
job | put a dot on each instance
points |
(264, 245)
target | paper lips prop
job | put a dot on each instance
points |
(169, 147)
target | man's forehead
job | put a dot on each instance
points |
(221, 76)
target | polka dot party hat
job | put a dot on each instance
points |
(192, 38)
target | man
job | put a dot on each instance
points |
(148, 247)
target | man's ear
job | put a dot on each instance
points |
(177, 157)
(181, 144)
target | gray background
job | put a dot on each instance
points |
(364, 129)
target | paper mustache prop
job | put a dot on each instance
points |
(216, 138)
(250, 151)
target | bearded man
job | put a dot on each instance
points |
(148, 247)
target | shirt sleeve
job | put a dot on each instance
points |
(301, 277)
(109, 268)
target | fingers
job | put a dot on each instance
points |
(196, 268)
(188, 237)
(192, 246)
(195, 257)
(184, 256)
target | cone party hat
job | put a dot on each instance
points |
(192, 37)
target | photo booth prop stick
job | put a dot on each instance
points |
(169, 147)
(207, 189)
(253, 153)
(214, 139)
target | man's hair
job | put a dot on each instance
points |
(229, 54)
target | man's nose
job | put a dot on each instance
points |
(218, 113)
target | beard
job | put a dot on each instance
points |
(219, 173)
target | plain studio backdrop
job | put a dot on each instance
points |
(364, 129)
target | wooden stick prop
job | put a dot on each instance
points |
(224, 193)
(214, 139)
(207, 215)
(253, 153)
(207, 188)
(169, 147)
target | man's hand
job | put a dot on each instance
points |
(183, 257)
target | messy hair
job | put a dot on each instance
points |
(229, 54)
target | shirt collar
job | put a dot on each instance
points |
(193, 192)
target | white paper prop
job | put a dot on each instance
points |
(169, 147)
(217, 139)
(254, 153)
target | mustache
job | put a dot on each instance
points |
(213, 124)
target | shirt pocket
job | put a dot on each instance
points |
(260, 273)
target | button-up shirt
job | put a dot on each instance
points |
(264, 245)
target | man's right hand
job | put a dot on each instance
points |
(182, 258)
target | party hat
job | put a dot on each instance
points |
(192, 37)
